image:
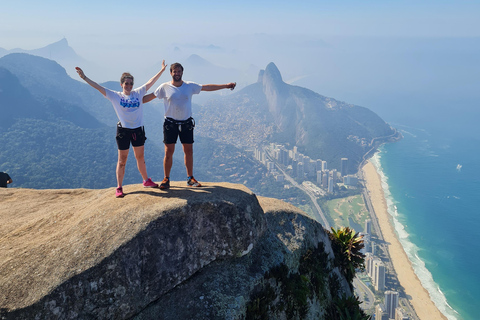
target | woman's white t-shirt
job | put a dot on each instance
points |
(129, 109)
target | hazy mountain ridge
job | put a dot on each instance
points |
(273, 111)
(59, 51)
(266, 111)
(50, 139)
(20, 103)
(46, 78)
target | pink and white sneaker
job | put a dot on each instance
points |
(119, 192)
(149, 183)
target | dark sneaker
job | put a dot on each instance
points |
(149, 183)
(192, 182)
(119, 192)
(165, 183)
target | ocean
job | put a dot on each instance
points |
(431, 180)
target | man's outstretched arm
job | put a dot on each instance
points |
(215, 87)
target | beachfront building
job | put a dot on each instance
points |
(366, 242)
(368, 226)
(350, 180)
(380, 312)
(400, 315)
(369, 263)
(378, 275)
(376, 270)
(391, 303)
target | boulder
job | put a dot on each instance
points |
(216, 252)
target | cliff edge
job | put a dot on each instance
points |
(216, 252)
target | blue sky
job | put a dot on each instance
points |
(32, 24)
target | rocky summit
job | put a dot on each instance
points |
(216, 252)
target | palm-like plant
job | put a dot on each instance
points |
(348, 244)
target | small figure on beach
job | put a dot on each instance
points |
(128, 105)
(5, 180)
(177, 99)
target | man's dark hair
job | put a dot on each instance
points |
(175, 65)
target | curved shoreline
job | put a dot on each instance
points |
(419, 297)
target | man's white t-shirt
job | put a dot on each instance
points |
(129, 109)
(178, 100)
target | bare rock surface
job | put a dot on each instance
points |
(182, 253)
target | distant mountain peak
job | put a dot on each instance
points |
(59, 44)
(195, 59)
(272, 72)
(271, 79)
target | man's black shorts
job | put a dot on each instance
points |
(172, 129)
(125, 136)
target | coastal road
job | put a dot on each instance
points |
(373, 216)
(318, 215)
(364, 294)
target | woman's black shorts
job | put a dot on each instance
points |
(125, 136)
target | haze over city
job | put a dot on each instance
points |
(372, 53)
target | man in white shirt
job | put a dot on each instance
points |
(177, 98)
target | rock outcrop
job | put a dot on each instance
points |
(216, 252)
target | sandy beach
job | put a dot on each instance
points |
(420, 298)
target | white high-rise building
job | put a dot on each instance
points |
(319, 178)
(368, 226)
(324, 166)
(366, 242)
(283, 156)
(379, 273)
(318, 165)
(368, 262)
(324, 180)
(312, 168)
(334, 175)
(380, 312)
(344, 166)
(270, 165)
(330, 184)
(391, 303)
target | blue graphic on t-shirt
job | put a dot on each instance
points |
(130, 103)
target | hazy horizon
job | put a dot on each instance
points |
(397, 58)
